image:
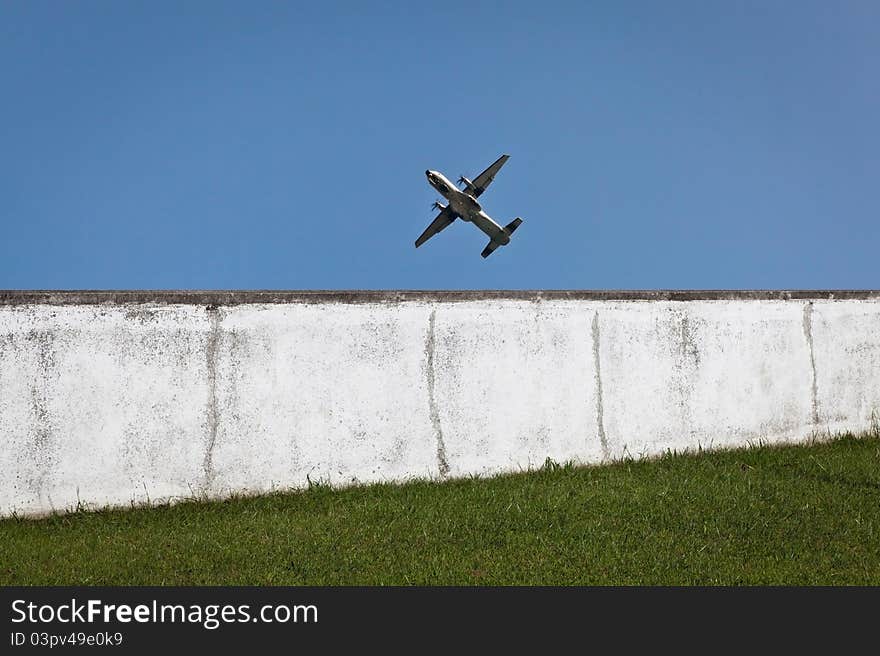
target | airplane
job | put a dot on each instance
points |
(463, 205)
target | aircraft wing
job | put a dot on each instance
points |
(443, 219)
(485, 178)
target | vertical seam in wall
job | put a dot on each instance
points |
(808, 333)
(434, 412)
(597, 372)
(213, 414)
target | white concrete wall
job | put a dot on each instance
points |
(118, 402)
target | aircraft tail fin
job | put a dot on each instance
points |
(509, 228)
(513, 225)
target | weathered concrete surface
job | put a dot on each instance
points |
(108, 398)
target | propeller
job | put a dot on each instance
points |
(462, 180)
(437, 206)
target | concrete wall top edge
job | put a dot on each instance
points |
(243, 297)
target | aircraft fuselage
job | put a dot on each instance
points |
(467, 208)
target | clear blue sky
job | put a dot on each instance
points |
(283, 144)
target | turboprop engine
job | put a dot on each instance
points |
(468, 185)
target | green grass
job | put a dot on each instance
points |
(765, 515)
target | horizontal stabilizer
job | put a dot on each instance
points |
(508, 229)
(490, 248)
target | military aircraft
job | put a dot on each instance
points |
(463, 205)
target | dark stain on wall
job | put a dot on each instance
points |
(40, 446)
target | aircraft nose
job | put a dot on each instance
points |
(428, 173)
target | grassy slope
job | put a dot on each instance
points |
(793, 515)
